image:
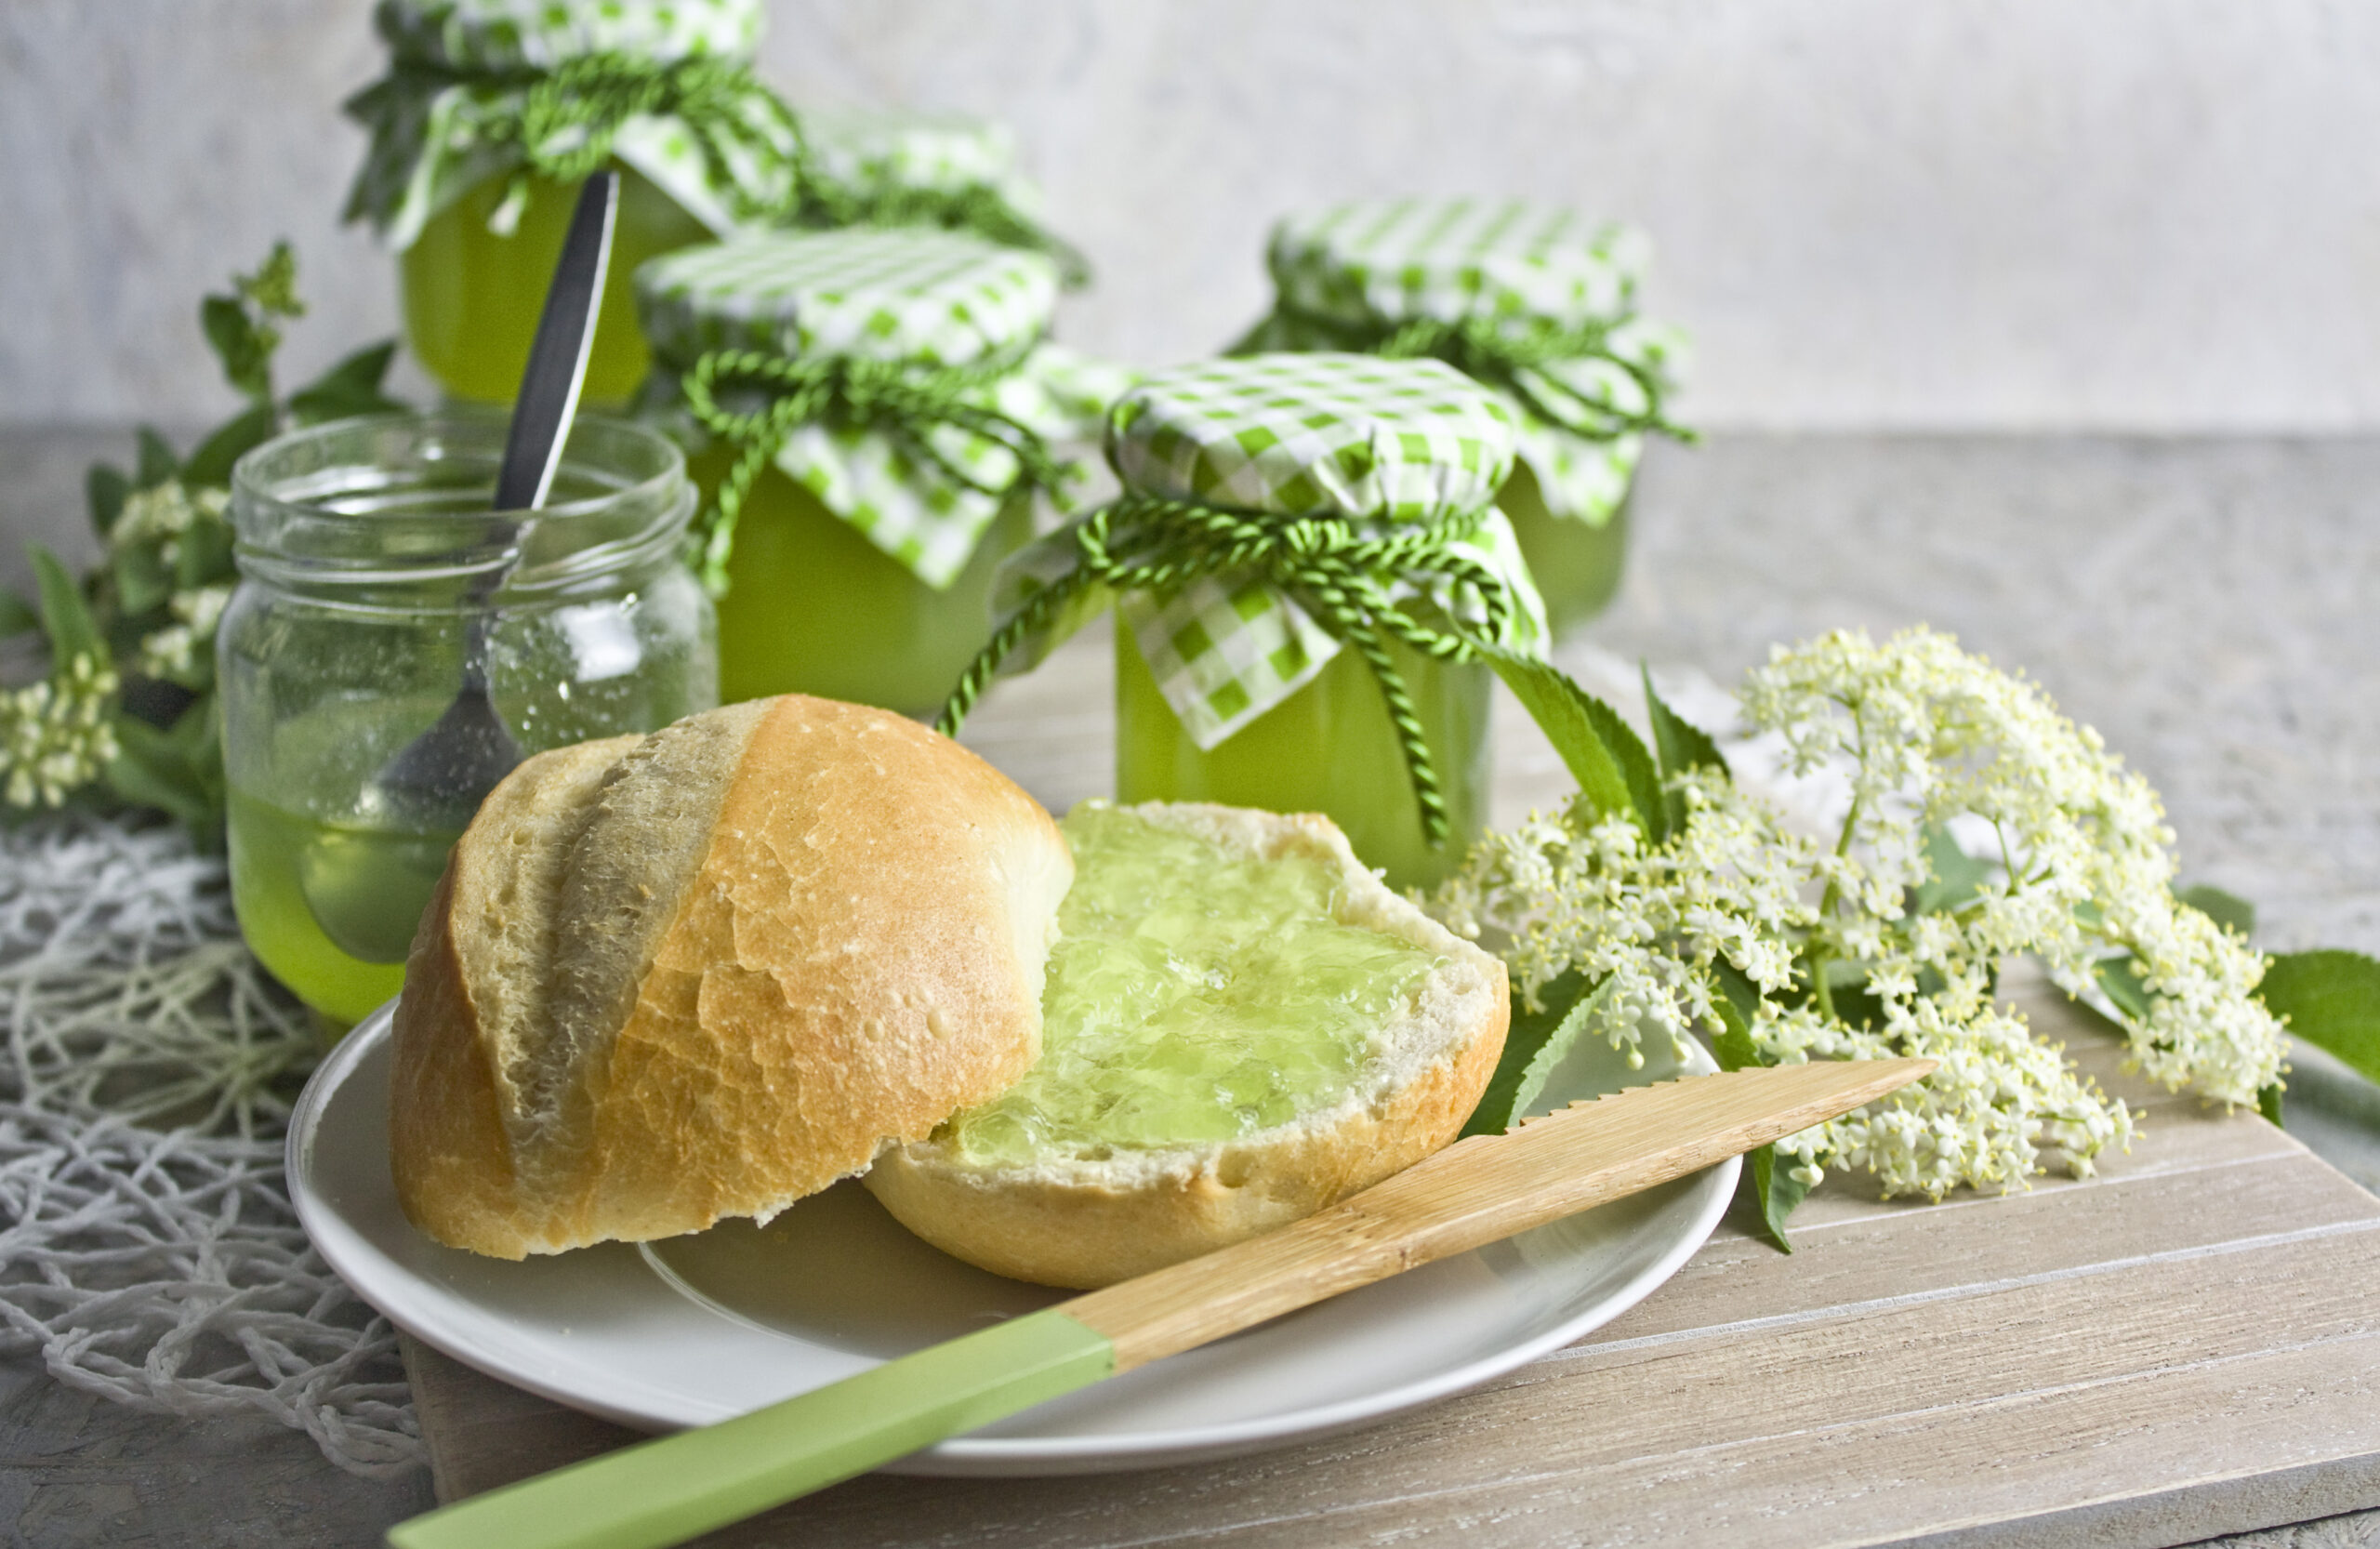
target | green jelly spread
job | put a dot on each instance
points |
(1194, 996)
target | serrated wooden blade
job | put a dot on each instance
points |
(1479, 1191)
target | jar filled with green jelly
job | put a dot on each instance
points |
(871, 414)
(371, 572)
(1308, 568)
(1536, 303)
(491, 115)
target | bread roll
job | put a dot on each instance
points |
(1074, 1217)
(706, 973)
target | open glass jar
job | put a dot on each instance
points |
(368, 561)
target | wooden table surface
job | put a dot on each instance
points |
(2187, 1346)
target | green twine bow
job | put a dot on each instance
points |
(567, 119)
(1340, 572)
(901, 400)
(1511, 355)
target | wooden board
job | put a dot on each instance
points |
(2186, 1346)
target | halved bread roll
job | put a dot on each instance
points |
(703, 974)
(1070, 1180)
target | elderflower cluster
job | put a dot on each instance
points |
(161, 513)
(1860, 947)
(173, 651)
(55, 736)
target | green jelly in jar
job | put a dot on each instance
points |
(476, 226)
(472, 295)
(858, 570)
(1360, 275)
(366, 551)
(1377, 443)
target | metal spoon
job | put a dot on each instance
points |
(366, 894)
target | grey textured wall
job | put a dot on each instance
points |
(2159, 214)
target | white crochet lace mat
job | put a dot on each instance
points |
(148, 1251)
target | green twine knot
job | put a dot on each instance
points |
(567, 119)
(901, 400)
(1340, 573)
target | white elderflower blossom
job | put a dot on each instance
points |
(172, 651)
(55, 736)
(1859, 948)
(161, 513)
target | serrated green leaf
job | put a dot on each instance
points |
(1512, 1088)
(17, 615)
(1678, 745)
(210, 465)
(245, 350)
(2224, 908)
(65, 617)
(106, 488)
(2332, 999)
(157, 460)
(1957, 875)
(1733, 1047)
(2268, 1104)
(1614, 773)
(349, 388)
(1740, 992)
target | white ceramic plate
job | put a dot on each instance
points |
(701, 1328)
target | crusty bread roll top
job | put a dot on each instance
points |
(706, 973)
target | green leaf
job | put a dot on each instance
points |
(2120, 977)
(1614, 773)
(1677, 746)
(244, 350)
(351, 386)
(65, 617)
(142, 579)
(2268, 1104)
(1770, 1191)
(179, 771)
(1736, 987)
(106, 488)
(17, 615)
(2332, 999)
(1534, 1044)
(272, 289)
(1957, 875)
(157, 460)
(210, 465)
(2224, 908)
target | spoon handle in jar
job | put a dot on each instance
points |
(557, 368)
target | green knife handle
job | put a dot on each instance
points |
(670, 1489)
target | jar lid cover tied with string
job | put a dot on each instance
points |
(1279, 510)
(478, 89)
(1533, 301)
(888, 167)
(901, 375)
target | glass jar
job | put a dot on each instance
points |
(367, 556)
(472, 296)
(812, 607)
(1577, 564)
(1328, 748)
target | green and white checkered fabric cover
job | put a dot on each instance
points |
(1382, 262)
(427, 146)
(871, 149)
(1378, 443)
(914, 294)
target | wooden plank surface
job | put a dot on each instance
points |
(2186, 1346)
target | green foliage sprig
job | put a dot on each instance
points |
(1666, 898)
(124, 714)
